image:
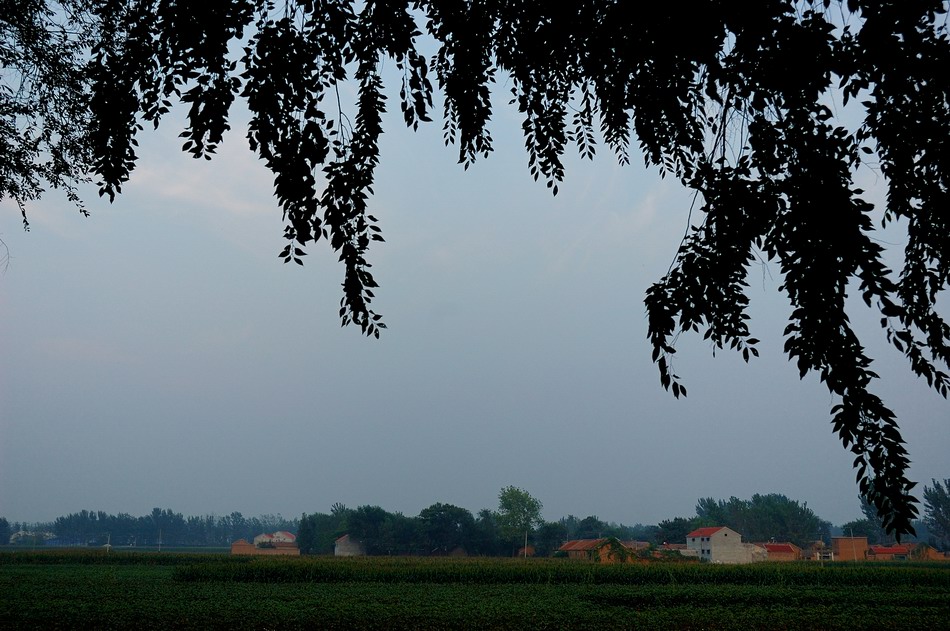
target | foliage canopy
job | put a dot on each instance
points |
(732, 99)
(765, 517)
(518, 513)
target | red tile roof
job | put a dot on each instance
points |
(704, 532)
(581, 545)
(889, 549)
(781, 547)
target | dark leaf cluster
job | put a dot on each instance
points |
(732, 99)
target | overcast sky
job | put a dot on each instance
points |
(160, 354)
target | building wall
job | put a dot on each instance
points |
(725, 546)
(784, 556)
(700, 546)
(849, 548)
(242, 547)
(923, 552)
(346, 546)
(734, 553)
(784, 551)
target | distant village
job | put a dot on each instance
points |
(766, 527)
(713, 544)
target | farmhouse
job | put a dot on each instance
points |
(718, 544)
(888, 553)
(604, 550)
(347, 546)
(278, 543)
(242, 547)
(782, 551)
(924, 552)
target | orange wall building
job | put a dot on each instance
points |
(242, 547)
(849, 548)
(783, 551)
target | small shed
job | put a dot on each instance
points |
(242, 547)
(924, 552)
(347, 546)
(782, 551)
(603, 550)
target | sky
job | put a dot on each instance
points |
(160, 354)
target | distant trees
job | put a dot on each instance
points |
(675, 530)
(765, 517)
(592, 527)
(487, 538)
(97, 527)
(366, 524)
(446, 527)
(441, 528)
(378, 530)
(549, 536)
(518, 514)
(317, 531)
(4, 531)
(870, 527)
(937, 511)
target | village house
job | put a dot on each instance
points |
(281, 543)
(817, 551)
(347, 546)
(924, 552)
(888, 553)
(718, 544)
(604, 550)
(782, 551)
(242, 547)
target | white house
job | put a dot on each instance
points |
(718, 544)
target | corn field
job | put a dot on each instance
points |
(188, 591)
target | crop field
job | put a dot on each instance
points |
(75, 589)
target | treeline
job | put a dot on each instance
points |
(442, 529)
(762, 518)
(160, 527)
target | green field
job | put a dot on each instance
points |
(180, 591)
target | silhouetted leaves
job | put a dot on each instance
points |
(730, 98)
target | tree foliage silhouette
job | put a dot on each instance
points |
(44, 113)
(732, 99)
